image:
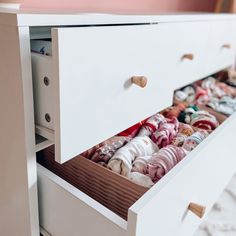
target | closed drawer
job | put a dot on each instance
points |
(221, 45)
(203, 48)
(199, 178)
(90, 96)
(191, 48)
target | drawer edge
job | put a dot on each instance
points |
(141, 203)
(46, 175)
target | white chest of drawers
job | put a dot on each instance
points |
(90, 98)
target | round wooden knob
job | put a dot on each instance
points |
(188, 56)
(197, 209)
(227, 45)
(141, 81)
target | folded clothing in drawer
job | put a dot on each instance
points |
(114, 191)
(210, 92)
(118, 171)
(141, 156)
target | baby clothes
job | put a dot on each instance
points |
(196, 138)
(123, 158)
(164, 160)
(151, 125)
(186, 94)
(132, 131)
(175, 110)
(141, 179)
(225, 105)
(201, 96)
(185, 115)
(204, 120)
(166, 132)
(104, 153)
(229, 91)
(184, 131)
(231, 78)
(202, 92)
(219, 116)
(88, 153)
(199, 119)
(228, 77)
(211, 87)
(140, 164)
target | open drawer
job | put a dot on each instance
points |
(65, 210)
(84, 92)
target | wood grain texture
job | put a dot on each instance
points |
(115, 192)
(164, 208)
(197, 209)
(64, 210)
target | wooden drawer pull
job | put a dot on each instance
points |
(140, 81)
(227, 45)
(197, 209)
(188, 56)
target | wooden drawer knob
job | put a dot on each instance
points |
(227, 45)
(197, 209)
(140, 81)
(188, 56)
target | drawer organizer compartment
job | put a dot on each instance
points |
(65, 210)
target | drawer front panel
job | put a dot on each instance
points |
(95, 98)
(200, 178)
(191, 52)
(221, 45)
(64, 210)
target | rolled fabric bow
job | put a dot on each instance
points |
(198, 118)
(141, 179)
(104, 153)
(123, 158)
(165, 134)
(202, 95)
(196, 138)
(185, 115)
(164, 160)
(211, 87)
(175, 110)
(184, 131)
(225, 105)
(186, 94)
(204, 120)
(152, 124)
(140, 164)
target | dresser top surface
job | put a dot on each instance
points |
(39, 18)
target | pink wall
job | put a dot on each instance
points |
(119, 6)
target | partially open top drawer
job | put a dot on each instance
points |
(84, 90)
